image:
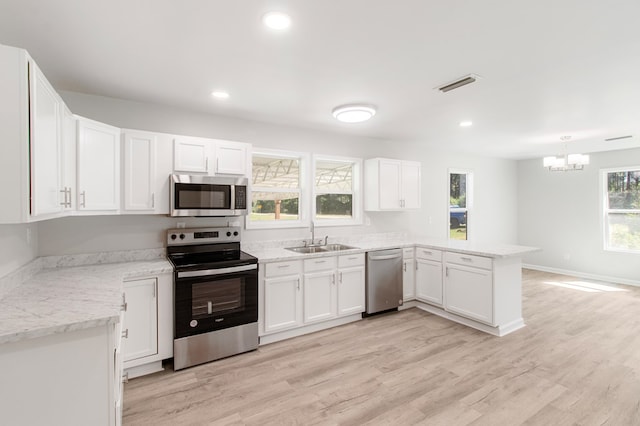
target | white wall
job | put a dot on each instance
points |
(561, 213)
(15, 250)
(495, 187)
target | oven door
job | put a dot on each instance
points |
(215, 299)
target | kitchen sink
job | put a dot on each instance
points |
(319, 249)
(314, 249)
(338, 247)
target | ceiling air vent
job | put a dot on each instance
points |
(618, 138)
(463, 81)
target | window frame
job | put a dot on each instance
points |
(469, 200)
(356, 191)
(604, 202)
(303, 214)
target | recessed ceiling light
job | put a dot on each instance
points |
(466, 123)
(354, 113)
(220, 94)
(276, 20)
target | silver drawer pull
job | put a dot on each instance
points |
(467, 259)
(353, 258)
(321, 261)
(125, 334)
(283, 266)
(427, 252)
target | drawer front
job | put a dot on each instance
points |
(279, 269)
(407, 253)
(351, 260)
(469, 260)
(429, 254)
(320, 264)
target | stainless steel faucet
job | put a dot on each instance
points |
(313, 233)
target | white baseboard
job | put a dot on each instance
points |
(579, 274)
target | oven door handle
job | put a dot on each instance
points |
(221, 271)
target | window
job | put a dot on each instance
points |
(622, 209)
(460, 201)
(336, 190)
(276, 190)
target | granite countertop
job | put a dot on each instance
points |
(273, 253)
(70, 298)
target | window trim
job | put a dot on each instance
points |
(356, 191)
(605, 210)
(303, 214)
(470, 201)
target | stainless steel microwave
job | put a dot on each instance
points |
(193, 195)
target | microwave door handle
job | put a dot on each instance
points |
(232, 202)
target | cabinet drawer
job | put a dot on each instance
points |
(469, 260)
(407, 253)
(320, 264)
(279, 269)
(429, 254)
(351, 260)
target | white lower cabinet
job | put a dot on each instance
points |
(148, 324)
(408, 274)
(469, 287)
(429, 276)
(296, 294)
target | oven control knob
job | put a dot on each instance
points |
(235, 233)
(228, 233)
(182, 236)
(193, 323)
(174, 236)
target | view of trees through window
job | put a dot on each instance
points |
(458, 211)
(622, 211)
(275, 191)
(334, 189)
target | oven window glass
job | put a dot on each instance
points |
(202, 197)
(220, 297)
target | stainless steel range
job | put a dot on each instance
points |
(216, 295)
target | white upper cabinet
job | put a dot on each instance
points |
(46, 147)
(210, 156)
(139, 183)
(391, 184)
(98, 166)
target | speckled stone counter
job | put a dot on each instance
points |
(60, 299)
(274, 251)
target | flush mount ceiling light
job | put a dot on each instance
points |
(566, 163)
(276, 20)
(354, 113)
(466, 123)
(220, 94)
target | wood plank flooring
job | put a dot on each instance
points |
(576, 363)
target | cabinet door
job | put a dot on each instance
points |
(139, 171)
(389, 182)
(69, 148)
(282, 303)
(408, 279)
(351, 296)
(98, 166)
(469, 292)
(410, 185)
(141, 319)
(191, 154)
(231, 158)
(47, 196)
(429, 281)
(319, 296)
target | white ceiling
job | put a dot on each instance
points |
(549, 67)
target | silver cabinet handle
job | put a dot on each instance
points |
(321, 261)
(123, 307)
(125, 377)
(446, 272)
(298, 283)
(333, 278)
(64, 203)
(217, 165)
(283, 266)
(83, 194)
(467, 259)
(340, 277)
(153, 200)
(206, 164)
(125, 334)
(404, 266)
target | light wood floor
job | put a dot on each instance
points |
(576, 363)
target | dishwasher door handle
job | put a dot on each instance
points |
(389, 256)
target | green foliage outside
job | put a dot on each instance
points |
(624, 194)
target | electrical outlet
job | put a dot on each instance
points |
(181, 225)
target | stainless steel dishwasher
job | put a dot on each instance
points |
(384, 280)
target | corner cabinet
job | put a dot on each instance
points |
(392, 184)
(98, 167)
